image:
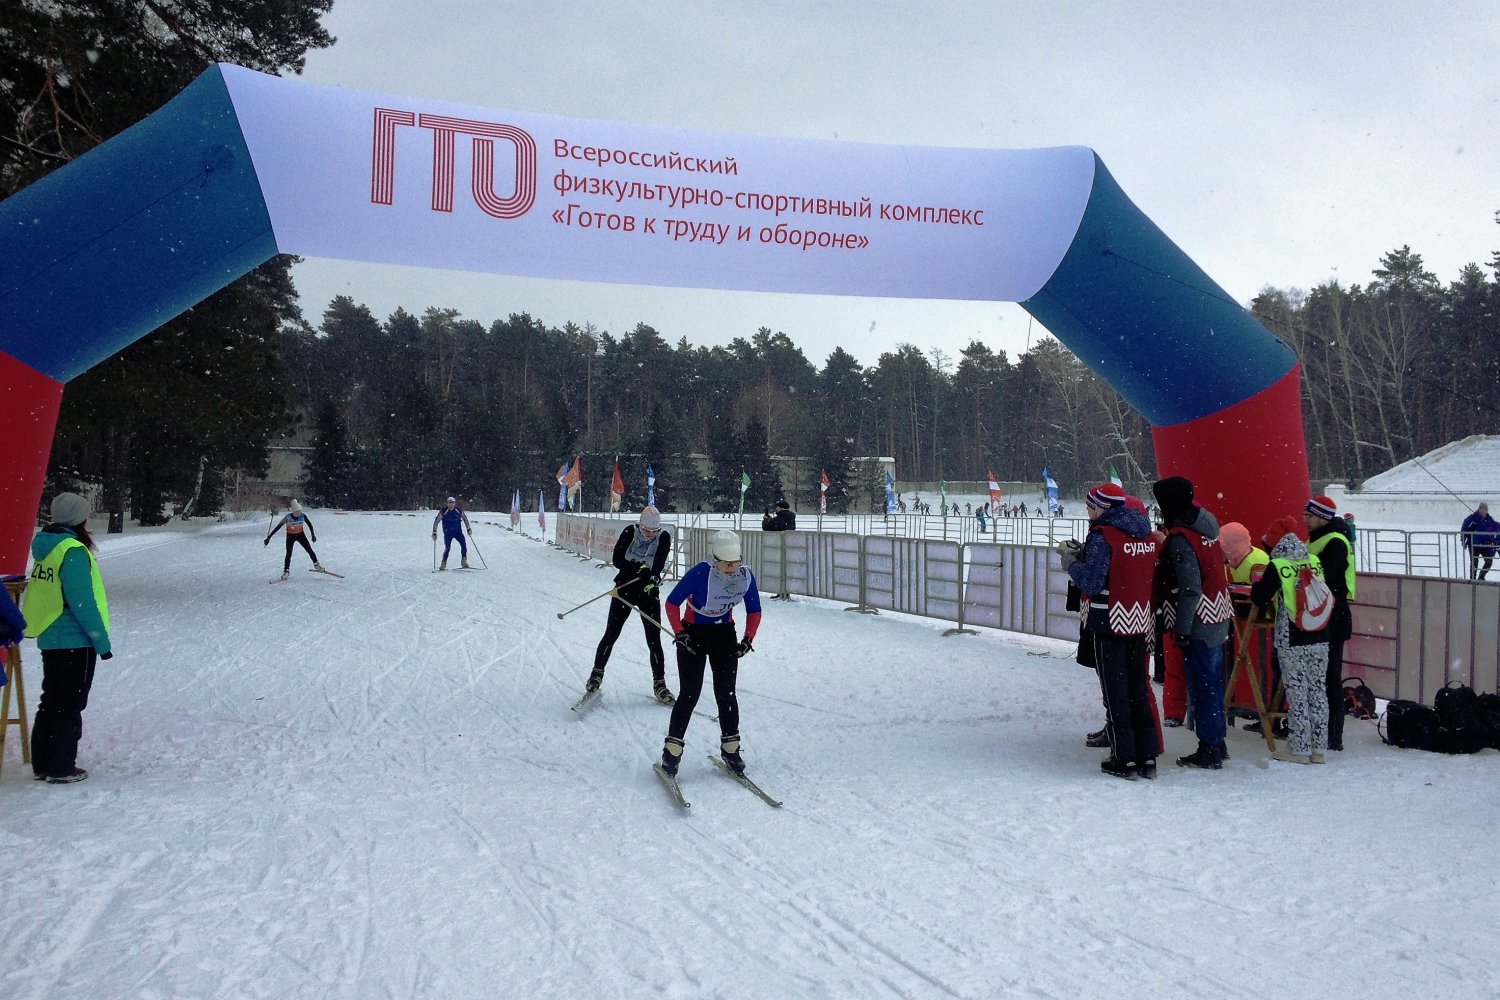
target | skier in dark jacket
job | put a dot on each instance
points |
(1198, 611)
(455, 523)
(640, 558)
(298, 527)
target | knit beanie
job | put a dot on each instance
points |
(295, 506)
(1105, 496)
(1279, 529)
(1323, 507)
(726, 546)
(1174, 495)
(1234, 538)
(650, 518)
(70, 510)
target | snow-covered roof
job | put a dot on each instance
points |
(1468, 467)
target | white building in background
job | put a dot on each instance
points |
(1435, 491)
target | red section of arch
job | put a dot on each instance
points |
(30, 401)
(1248, 463)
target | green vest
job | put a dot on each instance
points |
(1287, 571)
(1316, 547)
(44, 594)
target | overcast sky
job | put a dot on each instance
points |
(1280, 144)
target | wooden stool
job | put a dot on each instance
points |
(16, 682)
(1252, 636)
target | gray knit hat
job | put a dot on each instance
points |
(70, 510)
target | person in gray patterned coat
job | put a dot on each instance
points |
(1303, 655)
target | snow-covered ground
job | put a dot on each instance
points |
(373, 787)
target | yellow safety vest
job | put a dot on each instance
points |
(1244, 572)
(44, 594)
(1316, 547)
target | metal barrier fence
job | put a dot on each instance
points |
(1412, 634)
(1018, 588)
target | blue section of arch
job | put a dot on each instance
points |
(1146, 319)
(101, 252)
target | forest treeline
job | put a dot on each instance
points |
(1391, 369)
(405, 408)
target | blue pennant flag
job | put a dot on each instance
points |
(1052, 503)
(890, 493)
(650, 486)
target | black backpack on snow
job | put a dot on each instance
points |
(1489, 717)
(1460, 729)
(1359, 700)
(1409, 724)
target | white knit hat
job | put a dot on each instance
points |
(650, 518)
(296, 507)
(726, 546)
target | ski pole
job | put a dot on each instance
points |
(434, 551)
(611, 592)
(482, 563)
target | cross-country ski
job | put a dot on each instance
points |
(746, 782)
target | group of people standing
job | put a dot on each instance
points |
(1127, 570)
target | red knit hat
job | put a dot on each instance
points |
(1322, 507)
(1106, 496)
(1279, 529)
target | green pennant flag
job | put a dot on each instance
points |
(744, 485)
(1114, 476)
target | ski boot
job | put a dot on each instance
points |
(464, 562)
(442, 565)
(671, 754)
(286, 574)
(596, 681)
(1118, 768)
(729, 752)
(662, 694)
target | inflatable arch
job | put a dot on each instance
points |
(241, 166)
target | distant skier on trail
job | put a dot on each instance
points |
(298, 527)
(705, 637)
(640, 557)
(455, 523)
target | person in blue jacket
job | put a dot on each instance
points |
(455, 522)
(67, 614)
(1480, 534)
(12, 624)
(704, 635)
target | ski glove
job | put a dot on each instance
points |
(685, 643)
(744, 646)
(1069, 548)
(106, 656)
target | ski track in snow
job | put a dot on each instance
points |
(374, 787)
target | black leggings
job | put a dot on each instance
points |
(291, 539)
(67, 676)
(716, 649)
(619, 611)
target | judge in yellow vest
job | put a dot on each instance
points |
(67, 613)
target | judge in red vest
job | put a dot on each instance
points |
(1114, 568)
(1197, 611)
